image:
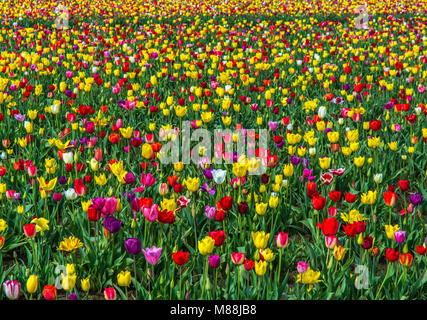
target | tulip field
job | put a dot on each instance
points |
(219, 150)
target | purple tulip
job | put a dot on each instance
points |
(399, 235)
(98, 203)
(416, 198)
(129, 178)
(133, 246)
(62, 180)
(305, 162)
(208, 173)
(295, 160)
(112, 224)
(73, 296)
(152, 254)
(214, 261)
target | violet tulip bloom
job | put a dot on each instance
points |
(133, 246)
(416, 198)
(112, 224)
(214, 261)
(399, 235)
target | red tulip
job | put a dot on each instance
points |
(335, 196)
(226, 203)
(391, 255)
(390, 198)
(249, 265)
(180, 257)
(421, 250)
(49, 292)
(375, 125)
(350, 198)
(237, 257)
(403, 185)
(329, 226)
(30, 230)
(218, 236)
(318, 203)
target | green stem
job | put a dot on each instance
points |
(204, 277)
(382, 284)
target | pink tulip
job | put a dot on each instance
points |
(282, 240)
(110, 206)
(151, 213)
(147, 179)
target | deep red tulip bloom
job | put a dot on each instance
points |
(335, 196)
(403, 185)
(249, 265)
(92, 214)
(391, 255)
(421, 250)
(166, 217)
(350, 198)
(226, 203)
(218, 236)
(318, 203)
(243, 207)
(329, 226)
(180, 257)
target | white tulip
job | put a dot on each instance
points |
(378, 178)
(321, 112)
(219, 175)
(68, 157)
(70, 194)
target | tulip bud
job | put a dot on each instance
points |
(32, 284)
(360, 239)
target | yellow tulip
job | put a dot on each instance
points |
(359, 161)
(126, 132)
(101, 180)
(85, 284)
(261, 208)
(325, 162)
(260, 239)
(192, 184)
(32, 284)
(147, 151)
(206, 245)
(288, 170)
(260, 267)
(390, 230)
(124, 278)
